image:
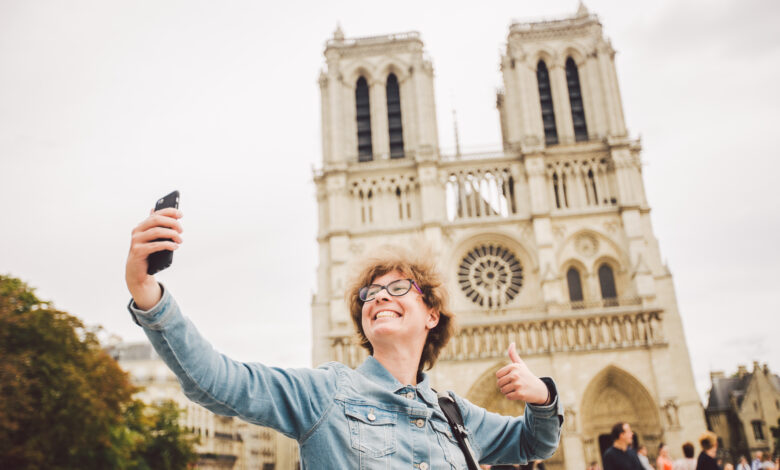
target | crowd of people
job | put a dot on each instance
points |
(622, 455)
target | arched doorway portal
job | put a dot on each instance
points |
(486, 394)
(612, 396)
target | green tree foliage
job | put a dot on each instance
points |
(65, 403)
(164, 444)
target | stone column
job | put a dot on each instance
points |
(426, 112)
(590, 77)
(430, 108)
(337, 152)
(531, 108)
(608, 87)
(617, 101)
(339, 257)
(380, 137)
(537, 183)
(560, 94)
(406, 90)
(327, 155)
(521, 190)
(431, 194)
(410, 112)
(512, 108)
(338, 202)
(548, 270)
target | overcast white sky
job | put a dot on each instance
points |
(107, 105)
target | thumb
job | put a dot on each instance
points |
(513, 354)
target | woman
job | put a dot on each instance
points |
(663, 462)
(384, 414)
(767, 463)
(709, 450)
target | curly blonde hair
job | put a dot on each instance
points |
(708, 440)
(419, 267)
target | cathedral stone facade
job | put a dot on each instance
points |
(545, 242)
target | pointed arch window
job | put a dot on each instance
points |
(545, 99)
(575, 99)
(575, 285)
(607, 282)
(363, 113)
(394, 117)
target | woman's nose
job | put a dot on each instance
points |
(382, 295)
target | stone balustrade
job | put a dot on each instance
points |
(570, 333)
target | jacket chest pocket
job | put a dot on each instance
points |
(371, 430)
(452, 452)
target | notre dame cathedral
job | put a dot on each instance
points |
(546, 242)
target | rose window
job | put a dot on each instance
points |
(490, 275)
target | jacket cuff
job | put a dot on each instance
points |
(155, 316)
(554, 407)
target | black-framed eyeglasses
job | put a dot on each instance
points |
(396, 288)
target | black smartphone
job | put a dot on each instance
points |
(162, 259)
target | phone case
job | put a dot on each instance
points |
(162, 259)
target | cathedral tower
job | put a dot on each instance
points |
(546, 243)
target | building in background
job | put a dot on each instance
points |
(546, 241)
(742, 409)
(225, 442)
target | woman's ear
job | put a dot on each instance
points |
(433, 318)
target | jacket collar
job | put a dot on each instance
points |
(376, 372)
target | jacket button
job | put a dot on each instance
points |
(371, 417)
(410, 395)
(423, 466)
(420, 423)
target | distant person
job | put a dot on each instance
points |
(642, 454)
(756, 463)
(663, 462)
(688, 462)
(743, 463)
(621, 456)
(709, 449)
(767, 463)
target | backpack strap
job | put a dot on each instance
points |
(455, 419)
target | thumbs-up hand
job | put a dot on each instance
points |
(517, 382)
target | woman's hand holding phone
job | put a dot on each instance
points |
(163, 224)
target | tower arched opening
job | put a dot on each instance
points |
(546, 102)
(363, 116)
(394, 124)
(575, 100)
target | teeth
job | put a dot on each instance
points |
(385, 314)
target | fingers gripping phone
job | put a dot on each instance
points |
(162, 259)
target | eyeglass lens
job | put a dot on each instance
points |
(395, 288)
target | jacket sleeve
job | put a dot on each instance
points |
(288, 400)
(502, 439)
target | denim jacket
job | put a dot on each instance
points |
(344, 418)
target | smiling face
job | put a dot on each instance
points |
(403, 321)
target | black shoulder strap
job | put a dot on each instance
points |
(452, 413)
